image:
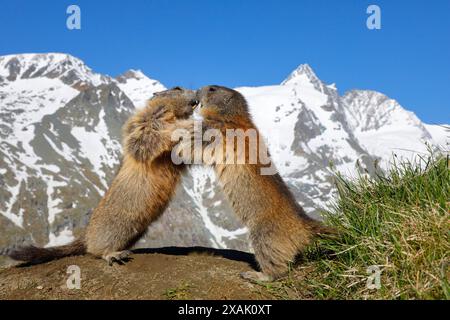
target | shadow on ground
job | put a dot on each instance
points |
(229, 254)
(160, 273)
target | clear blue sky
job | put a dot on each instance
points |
(251, 42)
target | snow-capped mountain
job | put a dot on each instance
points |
(138, 87)
(70, 70)
(60, 147)
(383, 126)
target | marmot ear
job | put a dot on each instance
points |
(155, 94)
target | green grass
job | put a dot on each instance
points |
(182, 292)
(399, 223)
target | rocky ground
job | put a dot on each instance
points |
(169, 273)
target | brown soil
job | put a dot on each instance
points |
(168, 273)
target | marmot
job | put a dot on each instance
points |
(142, 188)
(279, 229)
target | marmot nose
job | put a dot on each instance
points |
(193, 102)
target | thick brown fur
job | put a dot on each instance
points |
(279, 228)
(142, 188)
(36, 255)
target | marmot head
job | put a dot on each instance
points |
(179, 100)
(222, 102)
(142, 132)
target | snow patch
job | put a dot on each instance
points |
(97, 147)
(201, 175)
(63, 238)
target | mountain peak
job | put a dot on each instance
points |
(371, 110)
(66, 67)
(38, 60)
(138, 87)
(131, 74)
(304, 68)
(54, 57)
(301, 73)
(369, 98)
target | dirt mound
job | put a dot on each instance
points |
(168, 273)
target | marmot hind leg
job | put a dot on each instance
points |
(273, 254)
(118, 256)
(112, 241)
(256, 276)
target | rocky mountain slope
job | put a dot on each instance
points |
(60, 146)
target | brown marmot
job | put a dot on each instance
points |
(279, 229)
(142, 188)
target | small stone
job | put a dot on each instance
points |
(39, 287)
